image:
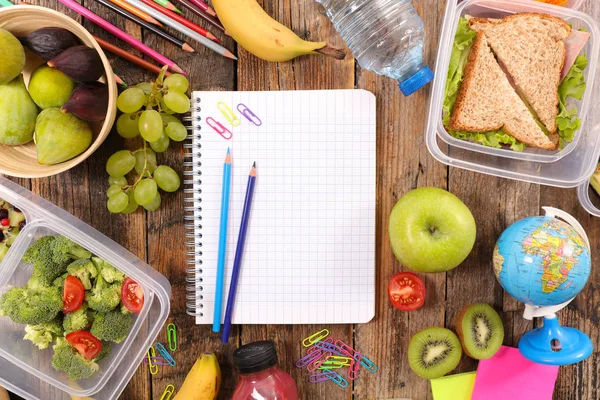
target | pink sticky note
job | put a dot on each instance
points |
(509, 375)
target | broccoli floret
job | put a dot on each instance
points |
(106, 347)
(109, 273)
(47, 266)
(67, 359)
(31, 306)
(103, 297)
(77, 321)
(65, 247)
(43, 334)
(60, 282)
(112, 326)
(84, 270)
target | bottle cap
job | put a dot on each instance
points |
(417, 81)
(255, 357)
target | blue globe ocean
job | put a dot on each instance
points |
(542, 261)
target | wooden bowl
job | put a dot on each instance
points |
(21, 161)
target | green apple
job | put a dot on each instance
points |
(431, 230)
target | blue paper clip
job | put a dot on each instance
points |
(228, 114)
(321, 377)
(250, 116)
(332, 348)
(163, 352)
(338, 379)
(368, 364)
(219, 128)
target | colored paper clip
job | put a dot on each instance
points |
(315, 348)
(307, 359)
(315, 337)
(228, 114)
(250, 116)
(316, 363)
(332, 348)
(347, 350)
(368, 364)
(322, 377)
(338, 379)
(335, 364)
(172, 336)
(153, 367)
(163, 352)
(219, 128)
(169, 391)
(156, 360)
(354, 367)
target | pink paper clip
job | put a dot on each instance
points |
(250, 116)
(316, 363)
(354, 367)
(346, 349)
(307, 359)
(322, 377)
(219, 128)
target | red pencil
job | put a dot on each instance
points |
(181, 20)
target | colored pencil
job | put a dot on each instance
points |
(6, 3)
(136, 12)
(237, 263)
(181, 20)
(190, 6)
(129, 56)
(179, 43)
(119, 80)
(121, 35)
(222, 242)
(204, 7)
(183, 29)
(168, 5)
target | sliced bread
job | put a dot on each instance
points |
(486, 101)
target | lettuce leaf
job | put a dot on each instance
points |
(572, 86)
(463, 41)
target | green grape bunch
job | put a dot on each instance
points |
(149, 110)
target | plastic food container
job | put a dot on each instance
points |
(589, 200)
(568, 167)
(26, 370)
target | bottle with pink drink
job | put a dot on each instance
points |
(260, 378)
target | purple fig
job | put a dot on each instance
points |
(49, 42)
(80, 63)
(89, 101)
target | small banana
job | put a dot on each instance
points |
(203, 381)
(261, 35)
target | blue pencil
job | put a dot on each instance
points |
(222, 242)
(237, 263)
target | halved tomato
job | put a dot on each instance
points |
(406, 291)
(73, 294)
(86, 343)
(132, 296)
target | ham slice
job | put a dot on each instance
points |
(573, 46)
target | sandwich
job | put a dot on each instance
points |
(509, 81)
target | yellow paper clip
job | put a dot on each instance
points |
(153, 367)
(228, 114)
(172, 336)
(169, 391)
(340, 359)
(315, 337)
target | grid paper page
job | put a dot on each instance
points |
(310, 247)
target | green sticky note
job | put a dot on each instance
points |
(453, 387)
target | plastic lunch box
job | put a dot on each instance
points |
(27, 371)
(589, 199)
(568, 167)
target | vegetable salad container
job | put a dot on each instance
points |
(26, 370)
(589, 199)
(566, 167)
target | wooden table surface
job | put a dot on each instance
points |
(403, 163)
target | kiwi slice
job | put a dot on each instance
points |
(480, 330)
(433, 352)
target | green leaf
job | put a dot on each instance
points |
(572, 86)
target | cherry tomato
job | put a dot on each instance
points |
(73, 294)
(86, 343)
(406, 291)
(132, 296)
(5, 222)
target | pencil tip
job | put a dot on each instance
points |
(188, 48)
(254, 165)
(178, 69)
(229, 54)
(211, 12)
(228, 150)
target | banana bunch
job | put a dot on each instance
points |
(261, 35)
(203, 381)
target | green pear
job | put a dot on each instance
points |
(60, 136)
(13, 57)
(17, 113)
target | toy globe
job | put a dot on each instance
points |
(544, 262)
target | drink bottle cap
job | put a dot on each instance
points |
(417, 81)
(255, 357)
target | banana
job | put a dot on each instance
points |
(261, 35)
(203, 381)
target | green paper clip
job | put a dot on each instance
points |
(153, 367)
(169, 391)
(172, 336)
(228, 114)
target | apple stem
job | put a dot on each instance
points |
(432, 229)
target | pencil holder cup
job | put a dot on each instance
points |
(21, 161)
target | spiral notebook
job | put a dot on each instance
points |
(310, 248)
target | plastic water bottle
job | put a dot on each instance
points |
(385, 36)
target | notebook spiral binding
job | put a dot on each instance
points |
(193, 211)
